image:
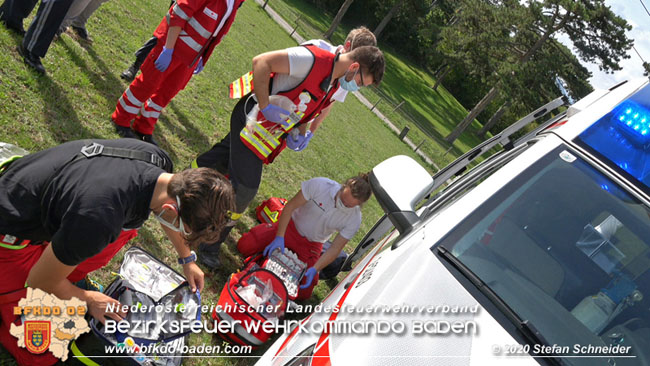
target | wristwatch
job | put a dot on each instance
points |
(188, 259)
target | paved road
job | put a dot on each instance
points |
(289, 28)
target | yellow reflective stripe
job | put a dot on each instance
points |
(80, 356)
(241, 86)
(14, 247)
(235, 90)
(269, 145)
(248, 82)
(11, 159)
(255, 143)
(194, 164)
(266, 135)
(272, 215)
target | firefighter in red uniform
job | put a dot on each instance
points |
(186, 38)
(308, 76)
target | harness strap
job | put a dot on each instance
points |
(95, 149)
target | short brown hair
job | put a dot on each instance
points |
(371, 60)
(359, 187)
(206, 201)
(361, 36)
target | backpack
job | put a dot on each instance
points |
(269, 211)
(142, 281)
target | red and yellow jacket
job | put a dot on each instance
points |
(265, 141)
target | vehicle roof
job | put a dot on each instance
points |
(591, 108)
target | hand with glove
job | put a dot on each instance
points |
(309, 277)
(199, 66)
(299, 142)
(275, 114)
(163, 60)
(277, 243)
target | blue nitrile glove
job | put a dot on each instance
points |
(275, 114)
(308, 276)
(163, 60)
(305, 141)
(299, 142)
(277, 243)
(199, 66)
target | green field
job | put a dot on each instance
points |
(431, 115)
(78, 94)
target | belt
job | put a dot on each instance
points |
(12, 242)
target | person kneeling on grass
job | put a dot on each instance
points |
(321, 208)
(66, 211)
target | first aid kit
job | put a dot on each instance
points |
(269, 211)
(156, 296)
(259, 293)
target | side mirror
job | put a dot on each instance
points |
(399, 183)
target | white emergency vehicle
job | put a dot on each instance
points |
(540, 254)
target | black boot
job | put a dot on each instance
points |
(130, 73)
(31, 59)
(209, 252)
(209, 255)
(147, 138)
(125, 132)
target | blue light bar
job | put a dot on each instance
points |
(634, 120)
(622, 138)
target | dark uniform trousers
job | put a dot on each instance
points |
(43, 28)
(232, 156)
(13, 12)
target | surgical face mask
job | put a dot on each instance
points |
(351, 85)
(172, 225)
(339, 203)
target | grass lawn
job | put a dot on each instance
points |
(78, 94)
(435, 113)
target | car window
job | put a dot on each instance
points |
(567, 249)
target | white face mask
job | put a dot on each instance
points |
(339, 203)
(180, 228)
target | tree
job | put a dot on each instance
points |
(387, 18)
(337, 19)
(536, 84)
(596, 32)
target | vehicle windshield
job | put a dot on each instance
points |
(568, 250)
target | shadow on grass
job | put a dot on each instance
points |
(63, 121)
(148, 240)
(108, 86)
(190, 133)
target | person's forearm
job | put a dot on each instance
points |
(172, 36)
(261, 80)
(178, 242)
(319, 119)
(284, 220)
(331, 253)
(328, 257)
(54, 283)
(285, 217)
